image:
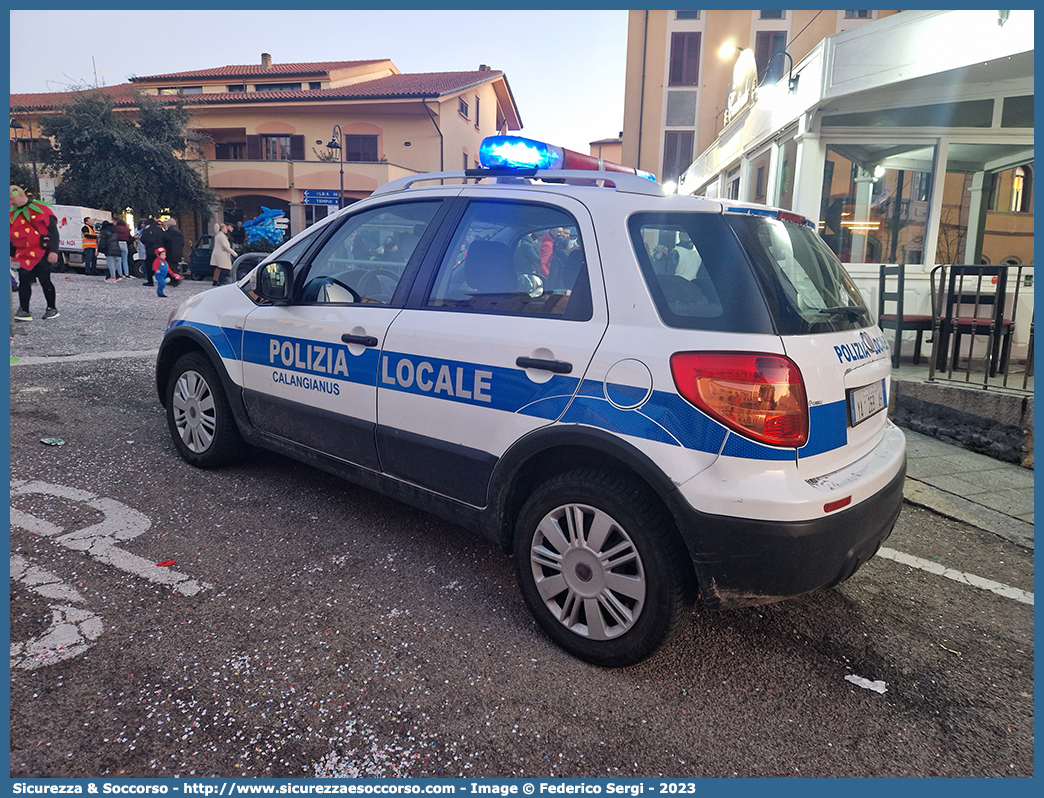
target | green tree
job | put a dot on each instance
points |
(112, 160)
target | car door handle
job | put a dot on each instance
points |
(556, 366)
(365, 340)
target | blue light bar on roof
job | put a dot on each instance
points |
(515, 152)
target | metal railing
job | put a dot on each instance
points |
(976, 304)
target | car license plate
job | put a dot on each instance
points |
(865, 402)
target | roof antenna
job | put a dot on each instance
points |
(94, 66)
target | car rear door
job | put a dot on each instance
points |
(494, 342)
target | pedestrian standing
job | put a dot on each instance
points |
(161, 269)
(238, 234)
(221, 254)
(173, 242)
(109, 246)
(90, 246)
(151, 238)
(123, 237)
(34, 247)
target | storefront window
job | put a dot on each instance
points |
(871, 213)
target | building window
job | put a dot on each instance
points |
(465, 161)
(360, 149)
(315, 85)
(858, 14)
(277, 87)
(462, 107)
(476, 111)
(275, 148)
(677, 153)
(230, 151)
(685, 59)
(687, 14)
(732, 182)
(759, 183)
(767, 47)
(774, 14)
(237, 87)
(1021, 189)
(180, 91)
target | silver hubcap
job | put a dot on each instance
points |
(195, 415)
(588, 572)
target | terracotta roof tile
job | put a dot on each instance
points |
(256, 70)
(422, 84)
(122, 94)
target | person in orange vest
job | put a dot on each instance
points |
(34, 247)
(90, 246)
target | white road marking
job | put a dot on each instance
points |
(36, 360)
(957, 576)
(72, 628)
(99, 540)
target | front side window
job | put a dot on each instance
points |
(275, 148)
(514, 258)
(364, 259)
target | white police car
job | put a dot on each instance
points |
(647, 398)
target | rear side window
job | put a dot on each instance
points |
(697, 273)
(515, 258)
(805, 285)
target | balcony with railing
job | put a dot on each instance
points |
(264, 176)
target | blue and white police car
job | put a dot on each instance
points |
(648, 399)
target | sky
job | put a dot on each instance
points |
(565, 68)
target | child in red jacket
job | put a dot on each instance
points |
(161, 270)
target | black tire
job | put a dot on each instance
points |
(609, 613)
(198, 414)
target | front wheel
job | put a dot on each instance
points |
(601, 567)
(198, 414)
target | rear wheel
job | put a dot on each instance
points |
(199, 416)
(601, 568)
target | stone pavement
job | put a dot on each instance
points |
(969, 487)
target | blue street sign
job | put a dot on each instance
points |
(318, 197)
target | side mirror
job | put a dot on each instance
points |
(275, 282)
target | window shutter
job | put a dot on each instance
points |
(297, 152)
(253, 147)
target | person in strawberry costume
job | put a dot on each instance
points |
(34, 247)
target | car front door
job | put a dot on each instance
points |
(493, 343)
(310, 367)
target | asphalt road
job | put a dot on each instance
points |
(301, 626)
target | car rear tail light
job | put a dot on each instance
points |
(759, 396)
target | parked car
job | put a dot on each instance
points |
(199, 267)
(645, 398)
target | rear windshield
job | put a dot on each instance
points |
(738, 273)
(805, 285)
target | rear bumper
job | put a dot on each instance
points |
(742, 562)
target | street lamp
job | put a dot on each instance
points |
(336, 143)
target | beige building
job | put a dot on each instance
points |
(678, 85)
(270, 128)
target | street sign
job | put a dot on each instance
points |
(319, 197)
